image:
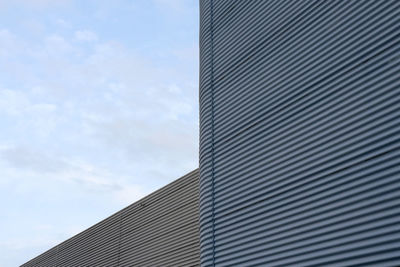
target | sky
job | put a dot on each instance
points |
(98, 108)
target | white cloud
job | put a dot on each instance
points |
(13, 102)
(28, 114)
(23, 158)
(56, 46)
(33, 3)
(129, 194)
(85, 35)
(89, 122)
(34, 164)
(111, 99)
(29, 242)
(63, 23)
(176, 5)
(8, 44)
(174, 89)
(44, 107)
(40, 163)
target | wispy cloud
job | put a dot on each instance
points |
(176, 5)
(33, 3)
(88, 177)
(95, 112)
(23, 158)
(85, 35)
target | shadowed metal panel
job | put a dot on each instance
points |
(300, 133)
(46, 259)
(164, 237)
(206, 133)
(159, 230)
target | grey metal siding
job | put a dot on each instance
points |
(159, 230)
(300, 133)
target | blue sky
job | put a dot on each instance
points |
(98, 107)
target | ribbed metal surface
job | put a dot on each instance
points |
(159, 230)
(300, 133)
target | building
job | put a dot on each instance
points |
(299, 147)
(158, 230)
(300, 133)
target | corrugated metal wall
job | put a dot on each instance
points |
(300, 133)
(159, 230)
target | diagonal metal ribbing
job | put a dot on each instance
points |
(119, 238)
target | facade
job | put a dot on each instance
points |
(159, 230)
(300, 133)
(299, 147)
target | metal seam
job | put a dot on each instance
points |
(212, 129)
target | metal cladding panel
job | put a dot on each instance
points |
(159, 230)
(206, 131)
(46, 259)
(165, 237)
(300, 133)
